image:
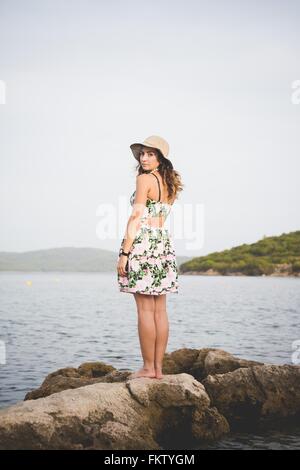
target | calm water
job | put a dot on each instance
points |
(54, 320)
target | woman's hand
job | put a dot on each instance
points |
(121, 265)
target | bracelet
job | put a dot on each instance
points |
(123, 253)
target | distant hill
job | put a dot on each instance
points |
(275, 256)
(69, 259)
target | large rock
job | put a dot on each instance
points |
(196, 362)
(202, 362)
(217, 361)
(70, 377)
(179, 361)
(141, 413)
(105, 410)
(260, 394)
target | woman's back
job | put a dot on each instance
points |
(156, 211)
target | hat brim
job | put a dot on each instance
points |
(135, 148)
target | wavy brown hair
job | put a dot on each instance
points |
(170, 177)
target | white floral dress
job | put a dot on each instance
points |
(152, 267)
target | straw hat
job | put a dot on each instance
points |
(154, 141)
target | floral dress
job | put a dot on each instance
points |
(152, 267)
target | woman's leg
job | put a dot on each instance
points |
(147, 334)
(162, 331)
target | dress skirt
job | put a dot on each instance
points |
(152, 267)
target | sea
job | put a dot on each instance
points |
(50, 320)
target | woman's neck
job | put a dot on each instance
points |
(151, 171)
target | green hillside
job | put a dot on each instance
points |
(84, 259)
(271, 255)
(64, 259)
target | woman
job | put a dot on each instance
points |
(147, 265)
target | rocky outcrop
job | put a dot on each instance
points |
(203, 395)
(256, 395)
(202, 362)
(141, 413)
(71, 377)
(197, 362)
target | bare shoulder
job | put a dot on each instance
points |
(143, 180)
(143, 177)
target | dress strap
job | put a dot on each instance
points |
(158, 186)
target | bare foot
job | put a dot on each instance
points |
(158, 373)
(143, 373)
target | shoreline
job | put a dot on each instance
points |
(211, 272)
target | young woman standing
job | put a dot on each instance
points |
(147, 265)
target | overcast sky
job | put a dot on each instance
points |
(86, 78)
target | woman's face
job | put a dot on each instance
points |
(148, 158)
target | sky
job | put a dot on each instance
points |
(84, 79)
